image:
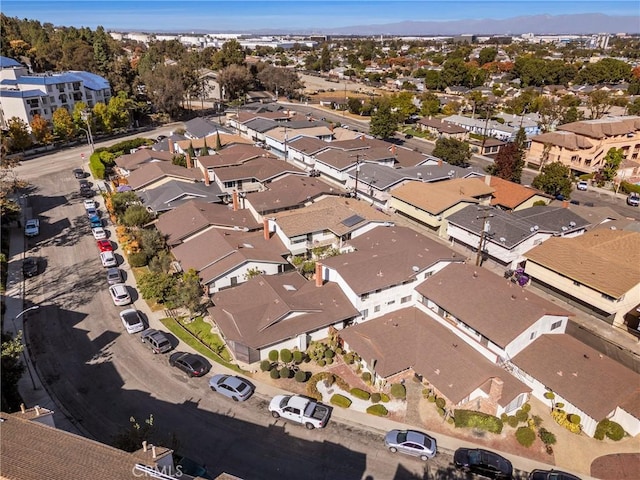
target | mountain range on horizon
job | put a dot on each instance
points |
(574, 24)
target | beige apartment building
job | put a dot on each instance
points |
(582, 146)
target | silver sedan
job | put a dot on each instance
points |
(410, 442)
(236, 388)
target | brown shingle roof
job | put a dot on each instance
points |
(567, 140)
(233, 155)
(386, 256)
(152, 172)
(34, 451)
(328, 214)
(226, 139)
(442, 125)
(605, 260)
(134, 160)
(408, 338)
(260, 169)
(281, 307)
(491, 305)
(603, 127)
(290, 192)
(308, 145)
(593, 382)
(510, 195)
(195, 216)
(436, 197)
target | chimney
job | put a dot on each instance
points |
(265, 223)
(393, 149)
(235, 200)
(439, 162)
(429, 117)
(565, 204)
(189, 162)
(318, 274)
(172, 148)
(495, 390)
(487, 179)
(207, 180)
(23, 409)
(144, 445)
(37, 409)
(153, 451)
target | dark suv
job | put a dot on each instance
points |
(483, 462)
(157, 340)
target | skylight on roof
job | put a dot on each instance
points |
(352, 220)
(291, 288)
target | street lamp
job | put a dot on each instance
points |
(86, 117)
(35, 307)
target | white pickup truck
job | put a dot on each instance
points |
(300, 409)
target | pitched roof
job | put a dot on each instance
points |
(289, 192)
(409, 338)
(442, 125)
(463, 290)
(328, 213)
(261, 169)
(134, 160)
(233, 155)
(593, 382)
(215, 252)
(605, 260)
(226, 139)
(34, 451)
(387, 256)
(307, 145)
(509, 229)
(281, 307)
(152, 172)
(568, 140)
(510, 195)
(194, 216)
(603, 127)
(304, 128)
(199, 127)
(383, 177)
(437, 197)
(174, 193)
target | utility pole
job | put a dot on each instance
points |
(484, 136)
(485, 215)
(357, 155)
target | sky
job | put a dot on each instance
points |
(242, 15)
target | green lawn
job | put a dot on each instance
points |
(201, 330)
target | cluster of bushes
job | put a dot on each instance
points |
(547, 437)
(525, 436)
(521, 416)
(378, 409)
(285, 364)
(569, 421)
(103, 159)
(610, 429)
(473, 419)
(398, 391)
(322, 353)
(439, 402)
(329, 379)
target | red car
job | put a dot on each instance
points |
(105, 246)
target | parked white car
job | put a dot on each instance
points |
(108, 259)
(99, 233)
(88, 203)
(132, 320)
(32, 227)
(120, 294)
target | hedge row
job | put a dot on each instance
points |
(359, 393)
(340, 400)
(473, 419)
(378, 410)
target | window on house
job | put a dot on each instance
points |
(532, 336)
(608, 297)
(555, 325)
(405, 299)
(376, 309)
(577, 284)
(234, 281)
(391, 302)
(364, 313)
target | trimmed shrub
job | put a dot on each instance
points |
(549, 395)
(348, 358)
(525, 436)
(359, 393)
(473, 419)
(441, 412)
(138, 259)
(573, 418)
(338, 351)
(273, 355)
(440, 402)
(559, 405)
(366, 376)
(610, 429)
(450, 421)
(340, 401)
(328, 361)
(329, 354)
(398, 391)
(265, 365)
(547, 437)
(376, 397)
(298, 356)
(274, 373)
(285, 372)
(321, 363)
(378, 410)
(301, 376)
(285, 355)
(522, 416)
(431, 398)
(537, 420)
(504, 417)
(512, 421)
(526, 408)
(384, 398)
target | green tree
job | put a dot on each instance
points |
(180, 160)
(119, 110)
(599, 103)
(187, 292)
(383, 122)
(63, 126)
(609, 170)
(487, 55)
(122, 200)
(634, 107)
(18, 133)
(164, 88)
(430, 104)
(555, 179)
(452, 151)
(518, 164)
(231, 53)
(151, 241)
(505, 161)
(156, 286)
(11, 370)
(325, 59)
(354, 105)
(136, 216)
(235, 79)
(403, 105)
